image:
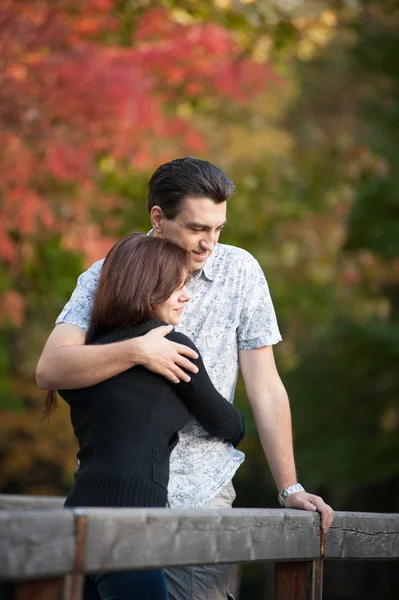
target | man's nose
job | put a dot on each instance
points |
(209, 241)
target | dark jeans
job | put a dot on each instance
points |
(129, 585)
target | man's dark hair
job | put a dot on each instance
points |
(182, 178)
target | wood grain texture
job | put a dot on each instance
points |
(50, 589)
(159, 537)
(15, 502)
(42, 542)
(363, 536)
(293, 581)
(37, 543)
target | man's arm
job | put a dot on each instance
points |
(66, 363)
(271, 410)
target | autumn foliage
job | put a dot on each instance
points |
(73, 92)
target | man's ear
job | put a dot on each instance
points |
(157, 217)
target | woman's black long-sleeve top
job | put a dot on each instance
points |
(127, 427)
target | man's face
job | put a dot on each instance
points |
(196, 228)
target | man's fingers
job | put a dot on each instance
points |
(164, 329)
(184, 363)
(327, 517)
(326, 513)
(301, 504)
(180, 348)
(181, 375)
(305, 501)
(176, 375)
(185, 350)
(171, 376)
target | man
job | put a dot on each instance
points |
(232, 321)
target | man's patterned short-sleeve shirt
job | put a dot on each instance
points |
(230, 310)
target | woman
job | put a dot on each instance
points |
(127, 426)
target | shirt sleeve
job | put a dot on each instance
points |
(258, 323)
(218, 416)
(77, 311)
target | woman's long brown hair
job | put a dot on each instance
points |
(138, 273)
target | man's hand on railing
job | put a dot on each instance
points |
(306, 501)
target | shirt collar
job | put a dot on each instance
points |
(209, 268)
(208, 272)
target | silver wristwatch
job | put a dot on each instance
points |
(288, 491)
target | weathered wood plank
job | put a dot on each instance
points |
(363, 536)
(15, 502)
(36, 544)
(42, 542)
(150, 538)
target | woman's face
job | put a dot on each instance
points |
(171, 310)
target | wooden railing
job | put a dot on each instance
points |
(45, 549)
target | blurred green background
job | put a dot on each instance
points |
(298, 102)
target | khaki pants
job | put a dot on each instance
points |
(210, 582)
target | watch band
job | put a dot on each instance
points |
(297, 487)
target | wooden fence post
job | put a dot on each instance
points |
(293, 581)
(76, 578)
(48, 589)
(300, 580)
